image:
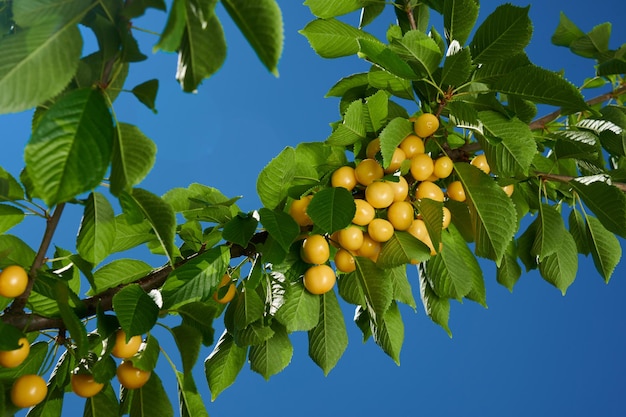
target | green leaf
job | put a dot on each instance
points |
(332, 209)
(199, 316)
(224, 364)
(605, 248)
(401, 249)
(354, 81)
(161, 217)
(151, 400)
(566, 32)
(457, 67)
(607, 202)
(172, 34)
(70, 149)
(102, 404)
(452, 271)
(593, 44)
(549, 231)
(190, 400)
(250, 308)
(146, 93)
(197, 279)
(331, 38)
(254, 334)
(240, 229)
(128, 236)
(377, 291)
(383, 80)
(389, 333)
(201, 203)
(514, 149)
(330, 8)
(493, 215)
(275, 179)
(560, 267)
(509, 271)
(148, 356)
(188, 340)
(329, 338)
(9, 217)
(14, 251)
(280, 225)
(391, 136)
(377, 111)
(386, 58)
(420, 51)
(38, 62)
(10, 189)
(96, 234)
(202, 49)
(70, 319)
(273, 355)
(300, 312)
(370, 12)
(133, 157)
(402, 291)
(262, 25)
(137, 8)
(10, 336)
(135, 310)
(438, 309)
(542, 86)
(459, 17)
(503, 34)
(352, 128)
(119, 272)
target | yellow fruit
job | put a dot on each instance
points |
(14, 358)
(443, 167)
(425, 125)
(508, 189)
(13, 281)
(379, 194)
(319, 279)
(364, 212)
(344, 177)
(315, 249)
(230, 293)
(412, 145)
(370, 248)
(401, 215)
(131, 377)
(28, 391)
(123, 349)
(380, 230)
(456, 191)
(372, 148)
(368, 171)
(480, 161)
(447, 218)
(422, 167)
(297, 210)
(350, 238)
(344, 261)
(84, 385)
(418, 229)
(397, 159)
(400, 189)
(427, 189)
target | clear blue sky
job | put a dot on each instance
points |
(532, 352)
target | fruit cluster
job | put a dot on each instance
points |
(29, 390)
(382, 205)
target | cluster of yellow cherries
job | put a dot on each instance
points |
(30, 389)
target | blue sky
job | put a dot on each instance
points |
(532, 352)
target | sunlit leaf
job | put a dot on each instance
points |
(332, 209)
(300, 312)
(273, 355)
(135, 310)
(224, 364)
(329, 338)
(96, 234)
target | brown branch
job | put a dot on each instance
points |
(567, 178)
(409, 12)
(541, 122)
(30, 322)
(52, 222)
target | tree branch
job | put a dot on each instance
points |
(567, 178)
(409, 12)
(544, 120)
(30, 322)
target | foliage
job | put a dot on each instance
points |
(567, 170)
